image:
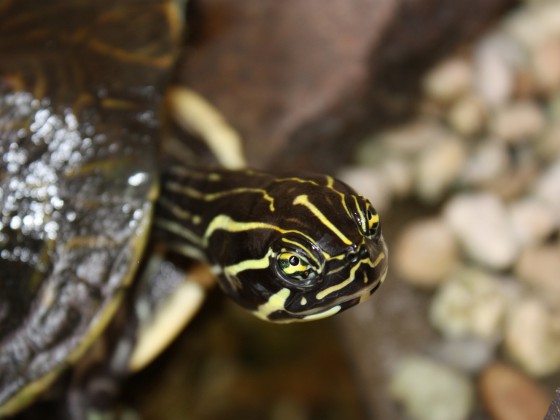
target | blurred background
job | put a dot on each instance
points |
(446, 115)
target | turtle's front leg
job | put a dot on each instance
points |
(166, 296)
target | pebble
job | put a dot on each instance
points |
(398, 173)
(533, 221)
(510, 395)
(487, 140)
(517, 122)
(431, 391)
(471, 303)
(438, 167)
(480, 221)
(532, 337)
(539, 268)
(533, 25)
(548, 186)
(468, 354)
(516, 182)
(371, 183)
(495, 58)
(467, 116)
(488, 161)
(546, 65)
(426, 253)
(413, 138)
(448, 80)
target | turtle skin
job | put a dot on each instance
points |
(81, 87)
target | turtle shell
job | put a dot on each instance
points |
(80, 91)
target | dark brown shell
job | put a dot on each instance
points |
(80, 90)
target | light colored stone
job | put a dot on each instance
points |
(448, 80)
(518, 181)
(398, 173)
(519, 121)
(532, 337)
(481, 223)
(438, 167)
(431, 391)
(472, 302)
(540, 268)
(533, 221)
(496, 57)
(533, 25)
(426, 253)
(546, 64)
(548, 186)
(468, 115)
(510, 395)
(371, 183)
(468, 354)
(413, 138)
(487, 162)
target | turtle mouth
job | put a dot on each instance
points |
(357, 285)
(341, 304)
(337, 306)
(349, 278)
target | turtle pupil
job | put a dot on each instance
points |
(293, 260)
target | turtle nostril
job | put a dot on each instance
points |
(360, 254)
(363, 252)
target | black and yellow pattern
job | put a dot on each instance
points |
(288, 248)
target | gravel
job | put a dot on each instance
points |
(482, 159)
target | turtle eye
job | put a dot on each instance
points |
(295, 266)
(368, 219)
(372, 220)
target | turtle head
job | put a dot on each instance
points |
(313, 249)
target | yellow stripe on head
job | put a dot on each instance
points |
(322, 294)
(255, 264)
(304, 201)
(274, 303)
(225, 222)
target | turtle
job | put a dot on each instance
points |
(87, 189)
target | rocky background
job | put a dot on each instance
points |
(471, 321)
